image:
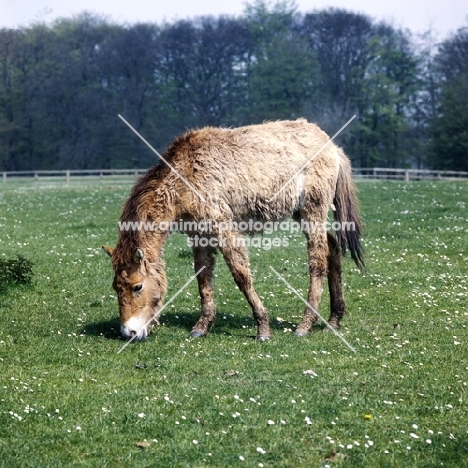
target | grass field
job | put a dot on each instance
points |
(67, 398)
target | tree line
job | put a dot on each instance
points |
(63, 85)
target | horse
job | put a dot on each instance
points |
(266, 172)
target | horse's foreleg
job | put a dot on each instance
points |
(317, 249)
(236, 257)
(335, 284)
(204, 257)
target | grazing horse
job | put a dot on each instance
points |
(268, 172)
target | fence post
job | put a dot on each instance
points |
(100, 177)
(36, 176)
(68, 177)
(4, 177)
(407, 175)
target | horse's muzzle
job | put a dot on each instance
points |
(134, 329)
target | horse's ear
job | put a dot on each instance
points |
(108, 250)
(138, 255)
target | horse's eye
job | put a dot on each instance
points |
(137, 288)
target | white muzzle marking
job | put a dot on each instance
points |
(135, 328)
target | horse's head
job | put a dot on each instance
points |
(141, 287)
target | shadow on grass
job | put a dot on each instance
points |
(109, 329)
(224, 324)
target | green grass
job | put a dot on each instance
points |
(67, 398)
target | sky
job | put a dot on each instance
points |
(443, 16)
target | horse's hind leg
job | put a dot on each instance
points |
(317, 249)
(204, 257)
(236, 256)
(335, 284)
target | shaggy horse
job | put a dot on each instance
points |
(268, 172)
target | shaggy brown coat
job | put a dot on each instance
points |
(241, 174)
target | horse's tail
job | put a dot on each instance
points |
(347, 213)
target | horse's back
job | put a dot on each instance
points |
(261, 171)
(263, 156)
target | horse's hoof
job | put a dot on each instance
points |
(197, 334)
(301, 332)
(263, 337)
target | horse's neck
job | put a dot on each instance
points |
(154, 243)
(151, 205)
